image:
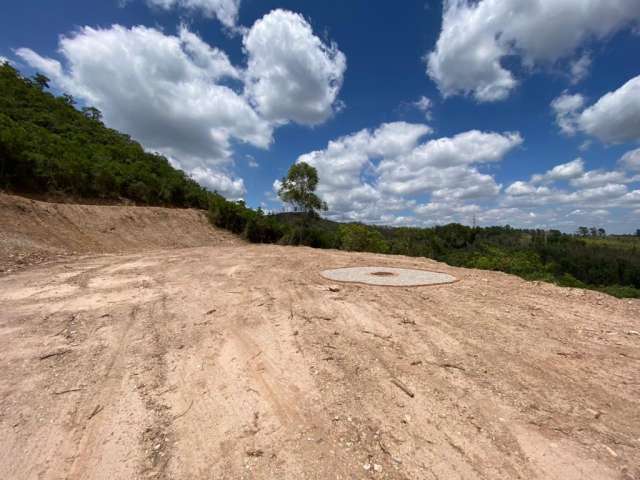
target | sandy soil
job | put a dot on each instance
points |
(34, 232)
(241, 361)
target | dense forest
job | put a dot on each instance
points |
(47, 145)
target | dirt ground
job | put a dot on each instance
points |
(34, 232)
(242, 362)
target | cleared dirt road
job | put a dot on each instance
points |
(243, 362)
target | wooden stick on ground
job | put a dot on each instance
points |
(53, 354)
(96, 411)
(68, 391)
(402, 387)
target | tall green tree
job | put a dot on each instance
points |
(299, 186)
(41, 81)
(92, 113)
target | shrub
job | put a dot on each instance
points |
(231, 216)
(360, 238)
(263, 229)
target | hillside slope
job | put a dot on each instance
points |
(32, 231)
(47, 145)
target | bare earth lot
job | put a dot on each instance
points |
(240, 361)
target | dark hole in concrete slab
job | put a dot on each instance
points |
(383, 274)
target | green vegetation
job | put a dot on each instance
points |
(610, 264)
(298, 188)
(360, 238)
(47, 145)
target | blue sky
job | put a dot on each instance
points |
(509, 111)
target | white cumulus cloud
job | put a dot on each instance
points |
(566, 108)
(184, 98)
(631, 160)
(424, 104)
(477, 36)
(580, 68)
(373, 175)
(163, 90)
(614, 118)
(393, 175)
(232, 187)
(564, 171)
(572, 186)
(292, 75)
(224, 10)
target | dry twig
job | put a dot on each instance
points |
(61, 392)
(402, 387)
(54, 354)
(185, 412)
(96, 411)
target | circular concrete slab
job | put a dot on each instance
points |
(388, 276)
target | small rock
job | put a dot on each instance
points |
(367, 466)
(633, 332)
(255, 453)
(333, 288)
(377, 468)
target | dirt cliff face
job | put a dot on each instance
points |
(32, 231)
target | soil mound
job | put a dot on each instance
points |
(32, 231)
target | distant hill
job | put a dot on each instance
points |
(49, 146)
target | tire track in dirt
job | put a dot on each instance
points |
(157, 438)
(242, 363)
(380, 347)
(88, 421)
(524, 371)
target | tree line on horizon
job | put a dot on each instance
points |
(610, 264)
(47, 145)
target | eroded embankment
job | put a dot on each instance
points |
(32, 231)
